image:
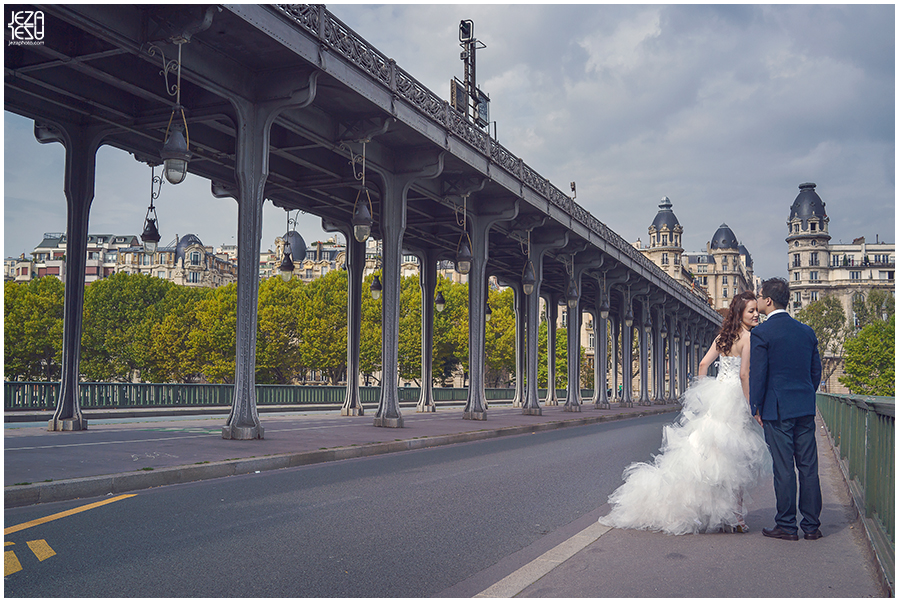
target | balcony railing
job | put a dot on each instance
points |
(862, 431)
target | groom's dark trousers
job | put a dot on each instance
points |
(785, 370)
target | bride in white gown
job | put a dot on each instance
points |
(713, 453)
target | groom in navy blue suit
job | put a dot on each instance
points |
(785, 370)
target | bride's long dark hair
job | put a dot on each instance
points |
(731, 326)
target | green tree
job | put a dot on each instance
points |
(562, 349)
(869, 362)
(323, 325)
(451, 331)
(409, 353)
(33, 327)
(500, 339)
(169, 358)
(119, 315)
(828, 321)
(278, 329)
(370, 330)
(211, 346)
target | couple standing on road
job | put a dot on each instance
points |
(720, 444)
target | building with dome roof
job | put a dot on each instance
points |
(188, 262)
(726, 268)
(818, 267)
(723, 271)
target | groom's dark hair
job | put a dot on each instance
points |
(779, 290)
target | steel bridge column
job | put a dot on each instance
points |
(672, 327)
(627, 347)
(573, 356)
(615, 330)
(427, 283)
(251, 169)
(521, 305)
(393, 225)
(573, 351)
(643, 341)
(356, 259)
(482, 220)
(81, 144)
(601, 399)
(540, 245)
(551, 299)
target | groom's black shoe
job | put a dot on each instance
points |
(813, 535)
(777, 532)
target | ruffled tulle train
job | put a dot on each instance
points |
(711, 456)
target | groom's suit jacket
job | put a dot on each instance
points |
(785, 369)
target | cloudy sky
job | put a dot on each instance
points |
(723, 109)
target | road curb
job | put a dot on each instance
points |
(120, 483)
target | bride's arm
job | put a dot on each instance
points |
(745, 364)
(707, 361)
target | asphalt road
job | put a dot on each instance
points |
(411, 524)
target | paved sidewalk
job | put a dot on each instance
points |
(121, 455)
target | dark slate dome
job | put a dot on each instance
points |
(808, 204)
(185, 242)
(723, 239)
(665, 218)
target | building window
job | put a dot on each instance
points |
(855, 275)
(665, 259)
(676, 260)
(724, 280)
(591, 340)
(814, 258)
(161, 274)
(193, 277)
(814, 296)
(796, 227)
(796, 276)
(812, 227)
(814, 275)
(796, 263)
(665, 240)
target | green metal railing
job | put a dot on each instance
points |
(862, 430)
(34, 395)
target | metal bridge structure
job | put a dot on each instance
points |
(280, 104)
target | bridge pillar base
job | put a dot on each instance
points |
(388, 422)
(626, 404)
(67, 424)
(426, 408)
(237, 432)
(352, 412)
(475, 416)
(532, 411)
(572, 408)
(602, 406)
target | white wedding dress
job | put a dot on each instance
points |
(710, 457)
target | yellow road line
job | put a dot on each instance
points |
(11, 563)
(41, 549)
(49, 518)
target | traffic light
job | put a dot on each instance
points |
(466, 31)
